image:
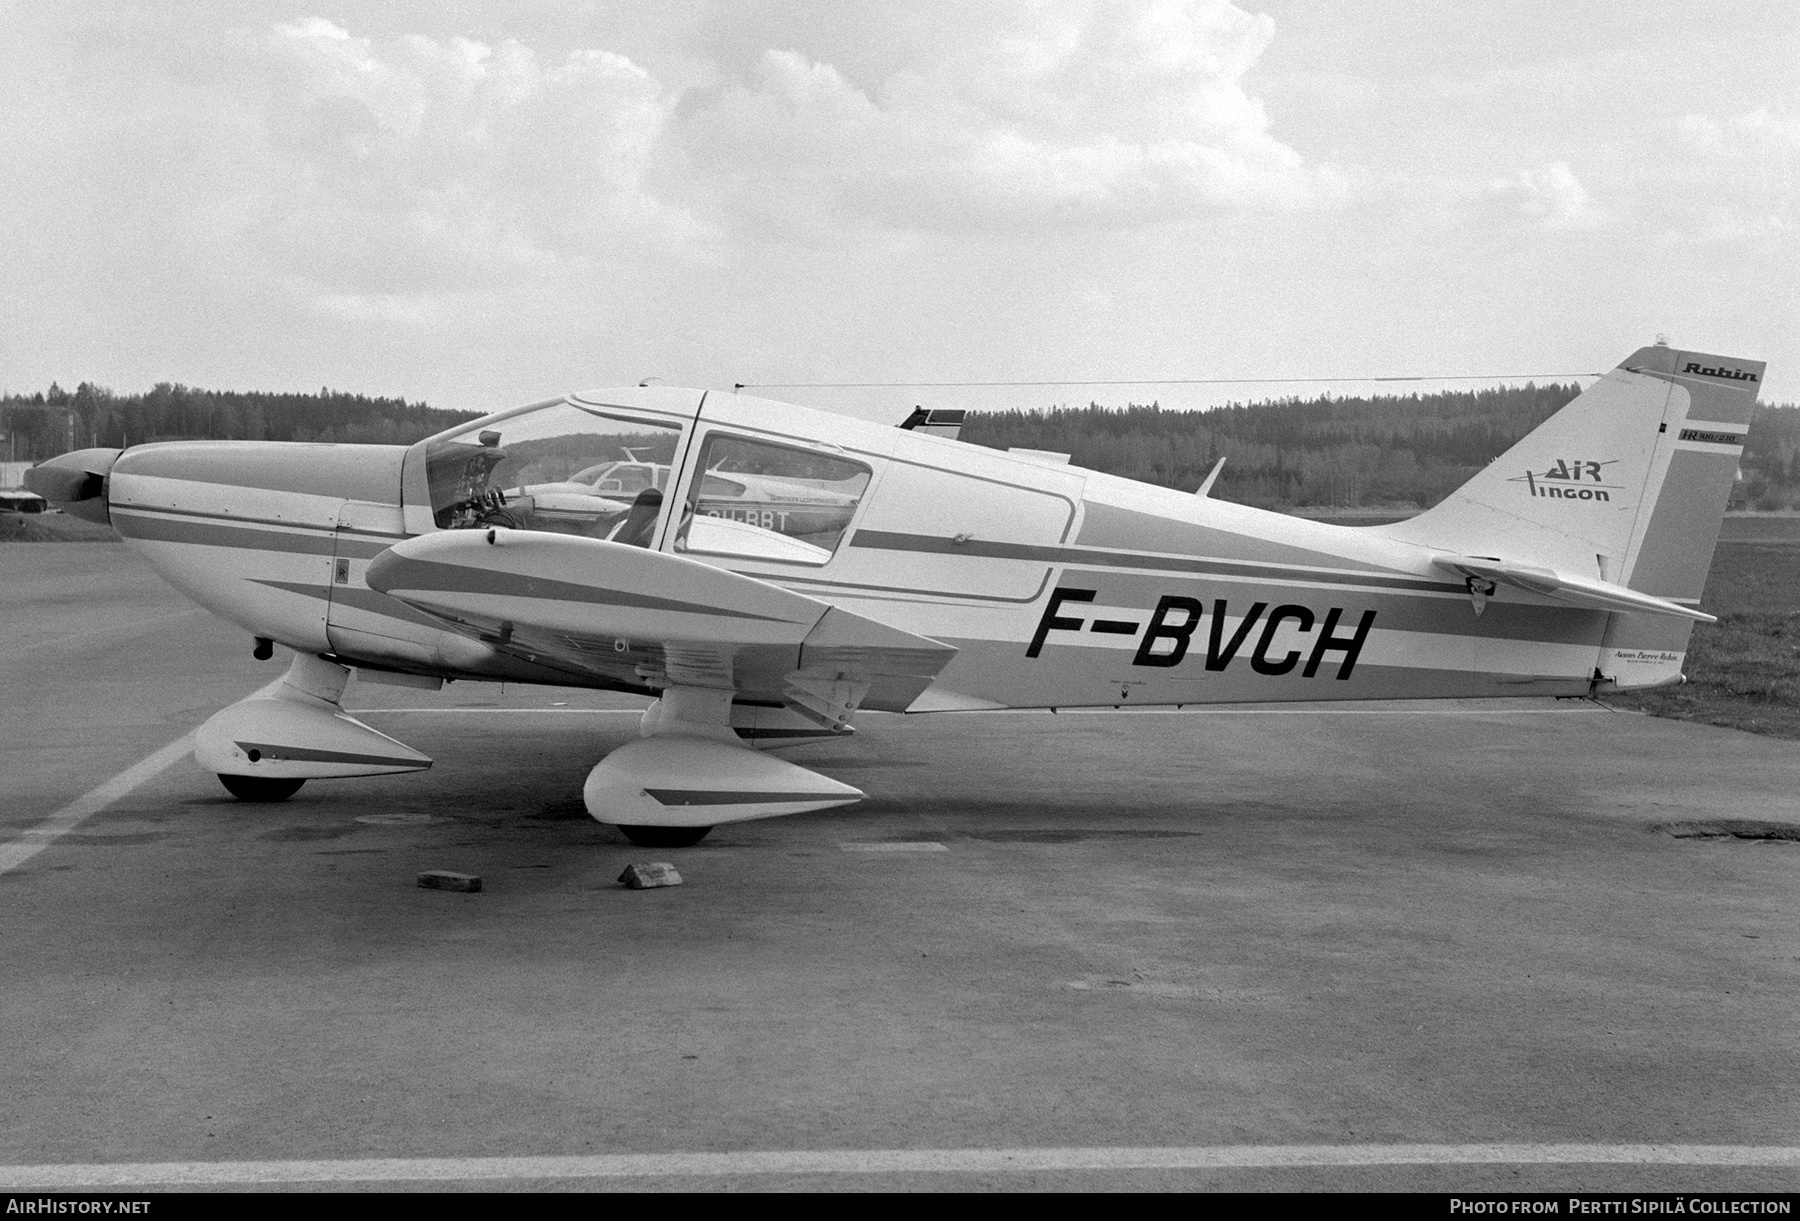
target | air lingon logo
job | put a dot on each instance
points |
(1570, 479)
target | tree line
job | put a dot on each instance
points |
(50, 422)
(1378, 452)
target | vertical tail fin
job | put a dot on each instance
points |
(1628, 483)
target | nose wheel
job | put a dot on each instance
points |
(260, 788)
(662, 837)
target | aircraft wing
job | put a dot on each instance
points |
(1580, 591)
(648, 618)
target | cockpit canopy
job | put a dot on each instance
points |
(567, 467)
(605, 472)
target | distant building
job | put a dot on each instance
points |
(13, 497)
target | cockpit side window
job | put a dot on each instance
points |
(772, 502)
(563, 468)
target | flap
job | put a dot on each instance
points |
(888, 667)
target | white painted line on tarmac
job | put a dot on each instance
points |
(917, 845)
(1433, 712)
(877, 1161)
(637, 712)
(1147, 711)
(90, 803)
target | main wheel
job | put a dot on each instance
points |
(664, 837)
(260, 788)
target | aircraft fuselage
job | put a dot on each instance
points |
(1058, 587)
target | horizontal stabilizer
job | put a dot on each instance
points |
(1579, 591)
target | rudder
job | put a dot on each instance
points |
(1677, 530)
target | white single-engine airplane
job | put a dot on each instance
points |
(767, 571)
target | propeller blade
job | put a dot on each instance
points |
(76, 482)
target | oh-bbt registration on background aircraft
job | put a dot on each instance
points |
(767, 572)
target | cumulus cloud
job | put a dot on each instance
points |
(393, 180)
(1108, 113)
(1552, 197)
(414, 165)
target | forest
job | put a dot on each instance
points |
(50, 422)
(1386, 452)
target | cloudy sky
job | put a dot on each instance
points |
(479, 204)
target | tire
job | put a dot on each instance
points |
(664, 837)
(260, 788)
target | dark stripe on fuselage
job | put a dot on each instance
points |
(208, 530)
(1502, 618)
(884, 540)
(1106, 527)
(244, 519)
(354, 598)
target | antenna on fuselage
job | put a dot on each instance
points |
(1205, 488)
(938, 421)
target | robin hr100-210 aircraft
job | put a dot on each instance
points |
(767, 571)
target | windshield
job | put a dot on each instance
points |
(562, 468)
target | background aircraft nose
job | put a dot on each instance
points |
(76, 482)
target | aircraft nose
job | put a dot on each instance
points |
(76, 482)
